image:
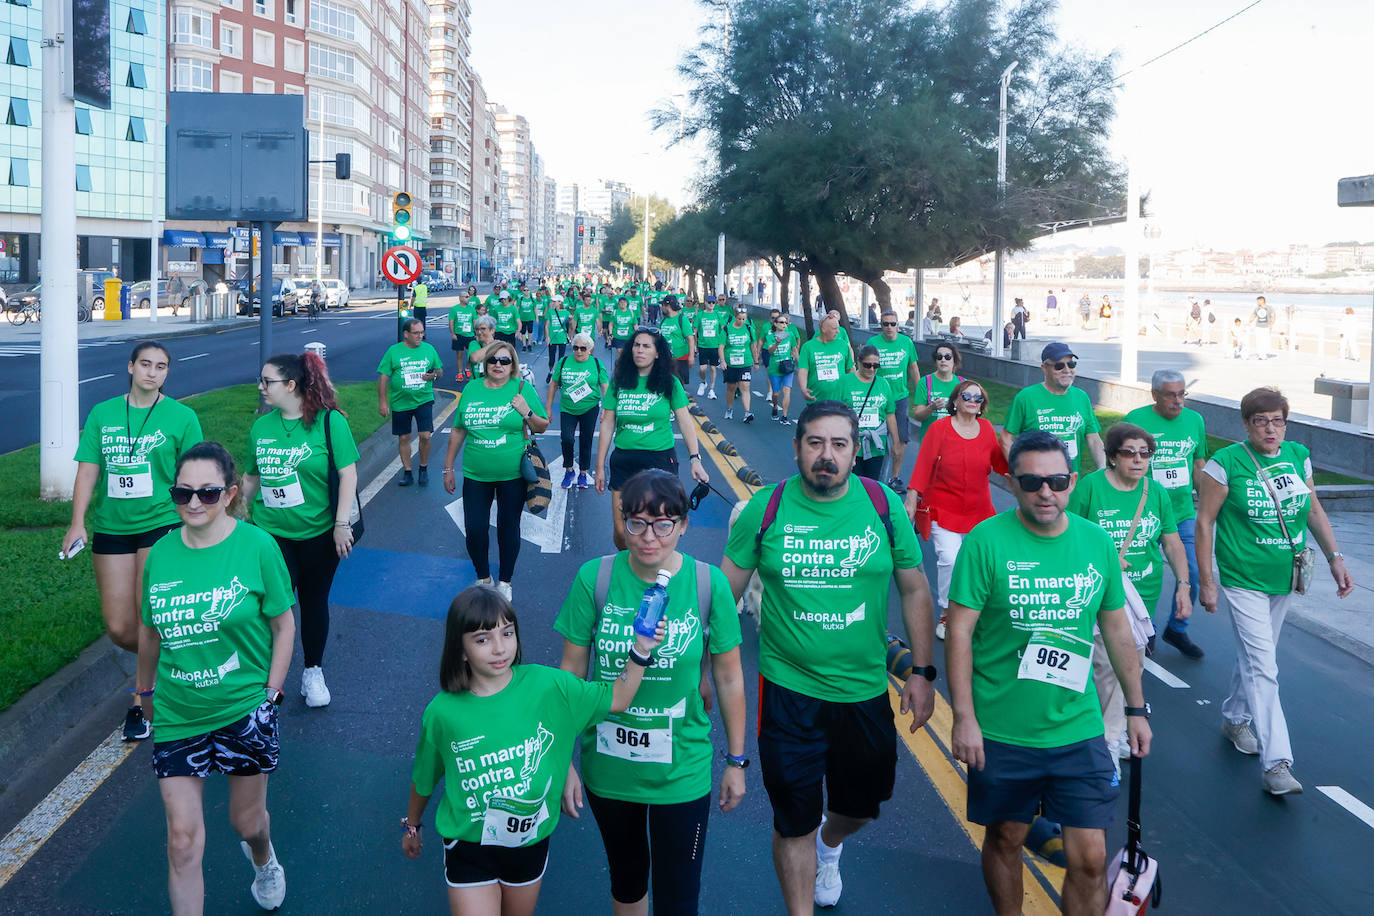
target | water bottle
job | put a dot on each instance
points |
(653, 605)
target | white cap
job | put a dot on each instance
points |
(557, 299)
(663, 577)
(504, 295)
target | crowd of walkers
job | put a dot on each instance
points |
(1046, 609)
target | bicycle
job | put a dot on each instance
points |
(312, 311)
(30, 311)
(83, 313)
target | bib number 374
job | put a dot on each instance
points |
(1057, 658)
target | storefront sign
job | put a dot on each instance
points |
(182, 267)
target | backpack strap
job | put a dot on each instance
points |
(703, 574)
(604, 567)
(879, 498)
(770, 514)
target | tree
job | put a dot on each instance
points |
(691, 240)
(631, 249)
(617, 232)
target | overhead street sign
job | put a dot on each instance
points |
(1355, 192)
(401, 264)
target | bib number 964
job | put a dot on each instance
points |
(520, 824)
(631, 738)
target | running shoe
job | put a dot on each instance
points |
(1180, 641)
(897, 486)
(729, 413)
(269, 881)
(568, 476)
(1242, 735)
(1279, 781)
(485, 583)
(504, 589)
(828, 883)
(701, 389)
(136, 728)
(774, 414)
(407, 478)
(711, 395)
(423, 479)
(784, 420)
(940, 627)
(583, 481)
(748, 417)
(313, 687)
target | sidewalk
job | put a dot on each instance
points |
(1349, 622)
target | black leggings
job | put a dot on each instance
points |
(312, 563)
(583, 425)
(676, 838)
(556, 351)
(870, 467)
(510, 502)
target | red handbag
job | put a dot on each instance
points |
(922, 520)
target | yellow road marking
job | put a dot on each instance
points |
(708, 444)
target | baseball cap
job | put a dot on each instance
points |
(710, 298)
(557, 298)
(1055, 350)
(504, 294)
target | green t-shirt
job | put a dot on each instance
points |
(1178, 442)
(461, 318)
(676, 330)
(827, 570)
(507, 315)
(211, 607)
(739, 343)
(525, 307)
(406, 367)
(1069, 416)
(1112, 510)
(504, 758)
(579, 383)
(1250, 547)
(136, 450)
(605, 304)
(895, 356)
(587, 317)
(495, 441)
(825, 365)
(670, 759)
(780, 345)
(872, 402)
(1027, 587)
(690, 313)
(293, 464)
(559, 317)
(623, 322)
(930, 388)
(710, 326)
(643, 418)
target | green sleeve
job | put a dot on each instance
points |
(906, 550)
(434, 361)
(1201, 452)
(88, 446)
(678, 399)
(588, 702)
(149, 571)
(1090, 423)
(192, 434)
(251, 465)
(724, 619)
(1078, 500)
(1166, 510)
(848, 357)
(971, 582)
(807, 359)
(740, 547)
(577, 617)
(1113, 593)
(345, 449)
(386, 366)
(604, 376)
(890, 402)
(536, 405)
(429, 765)
(609, 398)
(1016, 420)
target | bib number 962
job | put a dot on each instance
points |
(1053, 658)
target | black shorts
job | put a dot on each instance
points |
(733, 375)
(474, 865)
(627, 462)
(1074, 785)
(803, 741)
(662, 841)
(708, 356)
(461, 343)
(245, 747)
(527, 327)
(422, 415)
(618, 344)
(507, 336)
(684, 370)
(115, 544)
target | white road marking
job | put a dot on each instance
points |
(1349, 803)
(1164, 675)
(38, 826)
(375, 486)
(547, 532)
(183, 359)
(344, 323)
(96, 378)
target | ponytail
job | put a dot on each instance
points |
(313, 384)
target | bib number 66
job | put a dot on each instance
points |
(632, 738)
(1052, 658)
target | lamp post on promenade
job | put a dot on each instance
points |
(999, 265)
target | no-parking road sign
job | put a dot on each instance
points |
(401, 264)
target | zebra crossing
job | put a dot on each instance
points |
(34, 348)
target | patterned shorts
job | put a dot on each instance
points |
(243, 748)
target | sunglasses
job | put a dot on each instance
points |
(499, 360)
(662, 526)
(871, 365)
(1065, 363)
(889, 324)
(208, 496)
(941, 357)
(1031, 483)
(971, 398)
(1134, 452)
(580, 349)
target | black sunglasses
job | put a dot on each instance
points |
(1031, 483)
(502, 360)
(889, 324)
(579, 348)
(871, 365)
(208, 496)
(1070, 363)
(941, 357)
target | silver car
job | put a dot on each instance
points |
(335, 293)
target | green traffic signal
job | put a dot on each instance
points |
(401, 232)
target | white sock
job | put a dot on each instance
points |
(826, 852)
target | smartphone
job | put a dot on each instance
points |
(78, 545)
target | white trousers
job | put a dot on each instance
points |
(1256, 619)
(1112, 699)
(946, 545)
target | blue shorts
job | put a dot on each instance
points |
(779, 382)
(421, 418)
(246, 747)
(1074, 785)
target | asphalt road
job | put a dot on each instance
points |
(1224, 846)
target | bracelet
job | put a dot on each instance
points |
(448, 470)
(141, 691)
(408, 827)
(1335, 555)
(342, 525)
(643, 661)
(694, 457)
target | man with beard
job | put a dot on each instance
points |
(1057, 407)
(826, 544)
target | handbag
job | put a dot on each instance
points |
(534, 470)
(1133, 882)
(355, 519)
(1305, 560)
(1137, 614)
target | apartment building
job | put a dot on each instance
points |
(451, 136)
(488, 187)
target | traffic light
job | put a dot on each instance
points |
(593, 235)
(343, 166)
(400, 216)
(581, 231)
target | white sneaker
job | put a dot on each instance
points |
(940, 627)
(313, 687)
(701, 389)
(729, 413)
(1279, 781)
(269, 881)
(504, 589)
(828, 883)
(711, 395)
(485, 583)
(1242, 736)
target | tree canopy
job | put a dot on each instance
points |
(625, 233)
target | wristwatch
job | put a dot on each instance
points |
(741, 761)
(274, 696)
(926, 671)
(1142, 711)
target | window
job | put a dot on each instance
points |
(83, 122)
(262, 8)
(332, 19)
(138, 23)
(293, 55)
(19, 173)
(19, 113)
(192, 27)
(264, 48)
(232, 4)
(264, 87)
(338, 108)
(230, 82)
(137, 78)
(231, 40)
(190, 75)
(137, 132)
(83, 177)
(331, 62)
(19, 53)
(20, 2)
(289, 15)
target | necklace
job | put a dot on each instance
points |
(290, 430)
(128, 425)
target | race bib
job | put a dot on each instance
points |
(827, 373)
(737, 359)
(413, 380)
(580, 393)
(512, 822)
(1057, 658)
(282, 492)
(1289, 486)
(639, 739)
(128, 479)
(870, 419)
(1170, 478)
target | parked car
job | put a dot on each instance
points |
(283, 297)
(173, 291)
(335, 293)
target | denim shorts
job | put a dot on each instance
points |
(1074, 785)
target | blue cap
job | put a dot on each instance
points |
(710, 298)
(1056, 350)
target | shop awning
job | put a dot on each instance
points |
(289, 239)
(331, 240)
(180, 238)
(219, 240)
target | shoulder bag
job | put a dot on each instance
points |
(925, 513)
(355, 519)
(1303, 560)
(534, 469)
(1142, 627)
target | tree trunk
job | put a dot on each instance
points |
(785, 291)
(807, 317)
(883, 292)
(833, 298)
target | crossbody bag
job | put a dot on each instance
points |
(1304, 561)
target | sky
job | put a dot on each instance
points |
(1239, 137)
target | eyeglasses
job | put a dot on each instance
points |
(578, 348)
(1031, 483)
(208, 496)
(871, 365)
(1063, 363)
(941, 357)
(1134, 452)
(971, 398)
(501, 360)
(263, 382)
(662, 526)
(1275, 422)
(889, 324)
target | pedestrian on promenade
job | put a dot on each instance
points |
(955, 492)
(1179, 452)
(1237, 340)
(495, 820)
(292, 451)
(710, 328)
(821, 362)
(1192, 326)
(581, 381)
(740, 353)
(827, 545)
(899, 368)
(491, 421)
(1104, 316)
(405, 392)
(783, 345)
(1210, 331)
(1019, 316)
(647, 773)
(216, 589)
(1052, 309)
(126, 460)
(460, 330)
(1085, 310)
(1056, 406)
(1256, 502)
(1030, 585)
(1262, 323)
(644, 397)
(934, 390)
(935, 314)
(1123, 502)
(1350, 340)
(868, 394)
(681, 337)
(956, 330)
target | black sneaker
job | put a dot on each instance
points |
(424, 476)
(1182, 643)
(897, 486)
(775, 412)
(136, 728)
(407, 479)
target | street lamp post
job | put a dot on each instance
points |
(646, 236)
(999, 265)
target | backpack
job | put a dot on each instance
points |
(1211, 317)
(558, 369)
(1197, 312)
(871, 487)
